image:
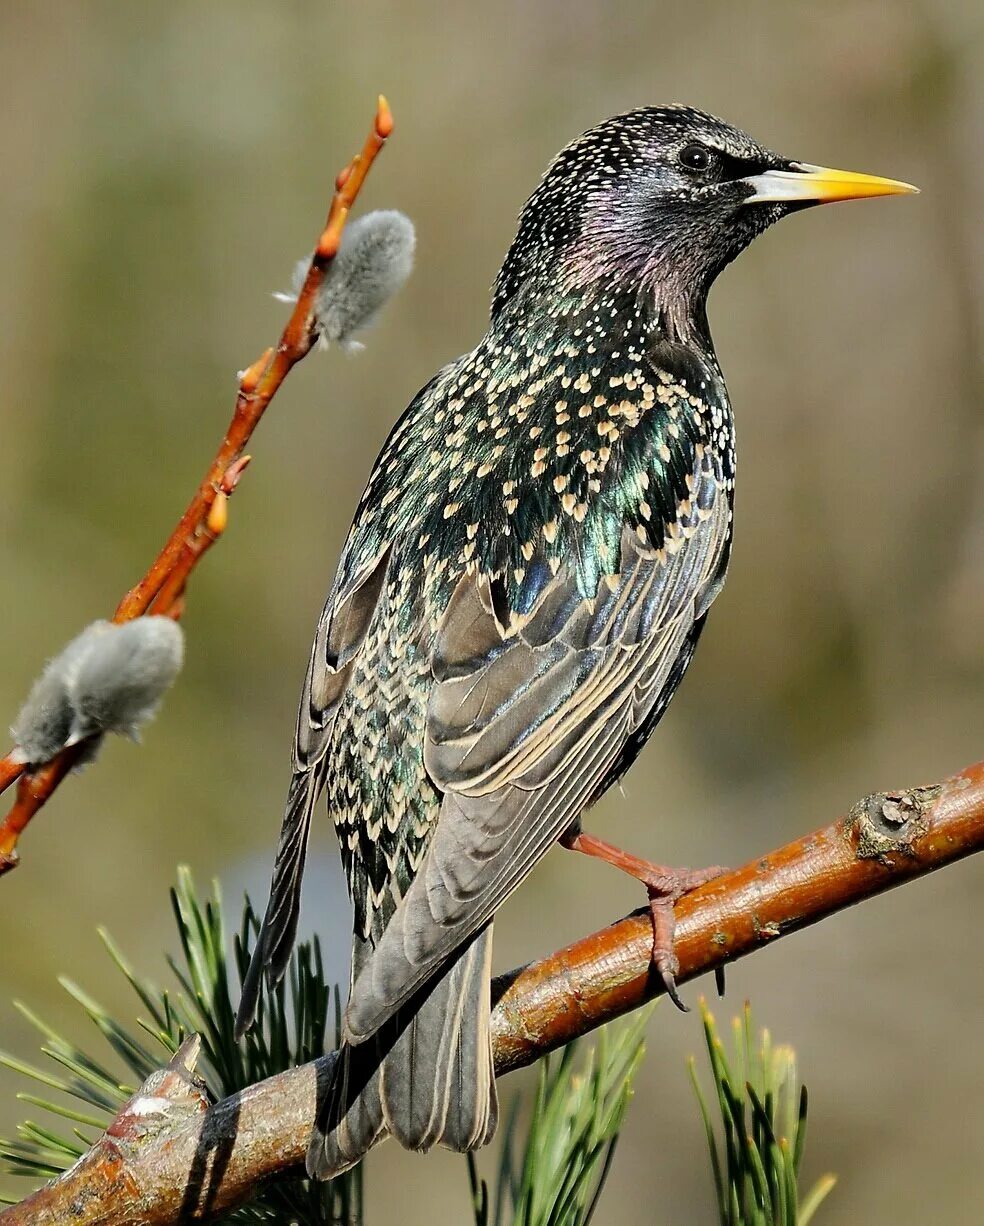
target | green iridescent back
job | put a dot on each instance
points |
(532, 453)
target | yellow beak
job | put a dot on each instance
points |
(820, 185)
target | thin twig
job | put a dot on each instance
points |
(161, 590)
(212, 1158)
(11, 769)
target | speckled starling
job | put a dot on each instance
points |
(520, 594)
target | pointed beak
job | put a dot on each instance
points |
(807, 184)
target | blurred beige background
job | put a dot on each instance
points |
(164, 165)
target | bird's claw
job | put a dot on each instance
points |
(664, 886)
(669, 982)
(665, 961)
(664, 889)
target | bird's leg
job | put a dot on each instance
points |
(664, 886)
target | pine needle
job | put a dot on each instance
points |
(757, 1149)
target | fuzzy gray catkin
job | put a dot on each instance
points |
(120, 681)
(108, 679)
(44, 722)
(373, 262)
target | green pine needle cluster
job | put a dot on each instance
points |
(555, 1175)
(290, 1030)
(756, 1160)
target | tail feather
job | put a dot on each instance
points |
(473, 1108)
(426, 1079)
(350, 1121)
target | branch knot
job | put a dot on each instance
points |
(168, 1098)
(890, 822)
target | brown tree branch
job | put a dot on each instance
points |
(161, 590)
(170, 1156)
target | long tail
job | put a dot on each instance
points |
(426, 1078)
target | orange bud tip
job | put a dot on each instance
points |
(327, 247)
(250, 377)
(232, 474)
(384, 118)
(218, 514)
(342, 177)
(331, 236)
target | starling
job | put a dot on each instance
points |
(520, 594)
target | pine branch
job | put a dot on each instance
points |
(213, 1157)
(762, 1108)
(161, 590)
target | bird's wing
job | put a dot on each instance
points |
(526, 725)
(341, 632)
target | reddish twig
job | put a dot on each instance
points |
(161, 590)
(11, 769)
(210, 1159)
(213, 525)
(33, 790)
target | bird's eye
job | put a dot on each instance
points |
(696, 157)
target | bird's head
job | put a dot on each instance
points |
(657, 201)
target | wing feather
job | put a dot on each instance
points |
(341, 632)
